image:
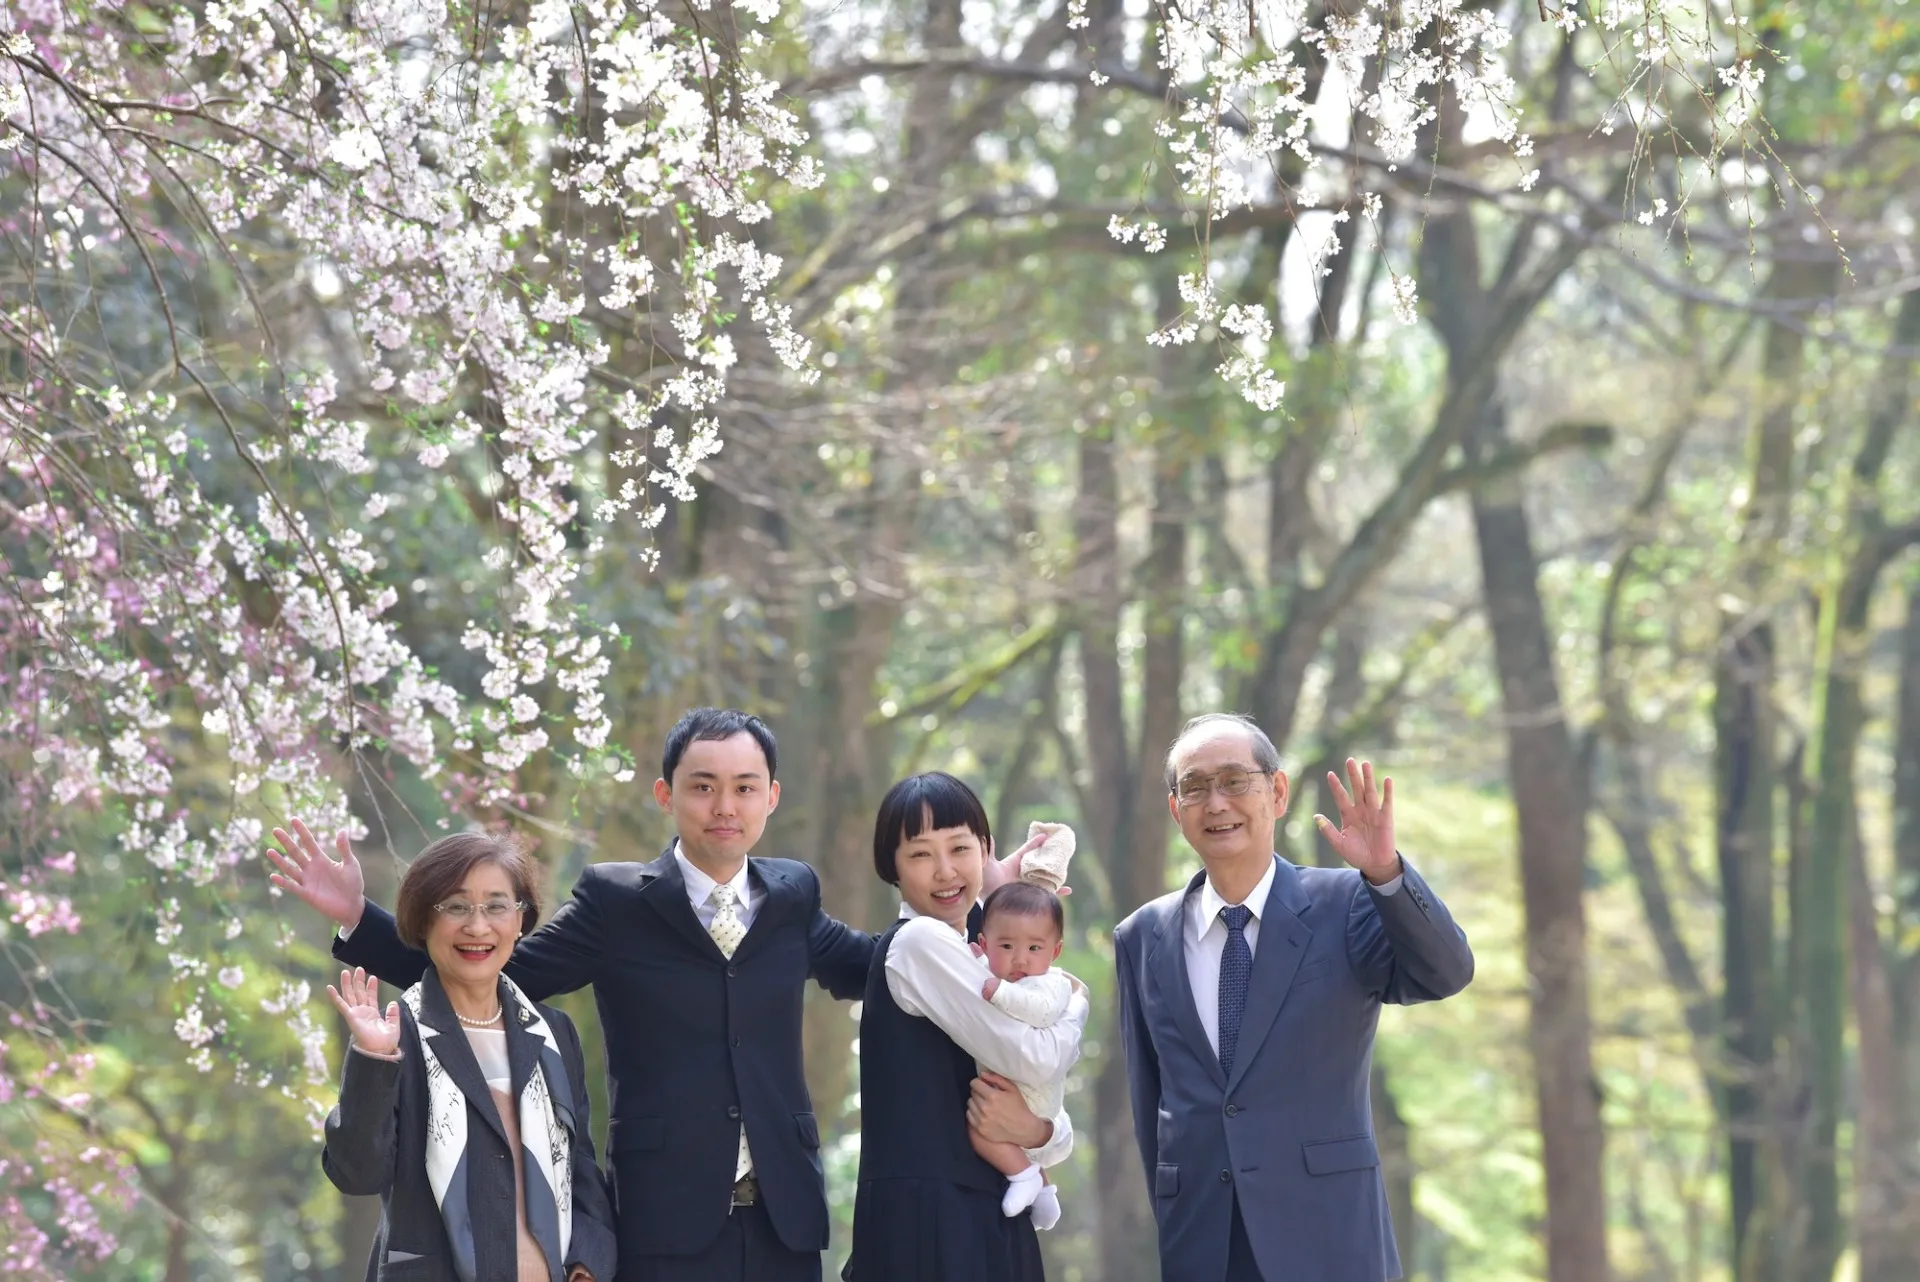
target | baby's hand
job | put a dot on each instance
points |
(992, 986)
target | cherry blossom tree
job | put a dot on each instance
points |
(290, 288)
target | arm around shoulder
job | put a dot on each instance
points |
(374, 945)
(1406, 946)
(839, 957)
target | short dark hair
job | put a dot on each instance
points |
(1025, 899)
(713, 724)
(1266, 757)
(920, 803)
(441, 870)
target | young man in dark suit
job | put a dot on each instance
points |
(698, 962)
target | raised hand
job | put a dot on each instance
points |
(999, 872)
(335, 889)
(358, 1001)
(1365, 835)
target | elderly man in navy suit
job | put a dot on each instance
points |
(1248, 1002)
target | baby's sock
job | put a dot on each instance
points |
(1021, 1190)
(1046, 1207)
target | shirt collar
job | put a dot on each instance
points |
(1211, 903)
(908, 913)
(700, 887)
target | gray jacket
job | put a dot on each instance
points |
(1290, 1133)
(376, 1143)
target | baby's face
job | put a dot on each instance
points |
(1018, 945)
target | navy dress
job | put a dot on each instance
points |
(927, 1208)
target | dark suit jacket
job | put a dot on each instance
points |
(696, 1042)
(1290, 1133)
(376, 1143)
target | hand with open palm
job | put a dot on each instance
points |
(358, 1001)
(1365, 835)
(336, 889)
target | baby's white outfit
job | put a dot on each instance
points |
(1038, 1001)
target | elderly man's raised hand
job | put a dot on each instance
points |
(1365, 835)
(336, 889)
(358, 1001)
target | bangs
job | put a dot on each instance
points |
(924, 803)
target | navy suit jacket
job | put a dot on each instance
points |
(697, 1043)
(1290, 1132)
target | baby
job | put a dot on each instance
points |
(1021, 931)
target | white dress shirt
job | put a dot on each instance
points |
(933, 974)
(700, 888)
(1206, 940)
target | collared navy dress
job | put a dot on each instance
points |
(927, 1208)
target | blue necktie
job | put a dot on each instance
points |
(1236, 968)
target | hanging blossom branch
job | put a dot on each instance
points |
(1241, 78)
(283, 278)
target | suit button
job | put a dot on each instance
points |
(733, 1111)
(732, 971)
(1226, 1177)
(736, 1041)
(1232, 1109)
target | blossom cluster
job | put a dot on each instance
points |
(511, 259)
(1241, 129)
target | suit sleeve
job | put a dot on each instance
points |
(375, 946)
(362, 1130)
(1406, 946)
(1143, 1065)
(594, 1243)
(838, 956)
(563, 955)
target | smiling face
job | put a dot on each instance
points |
(1222, 828)
(940, 871)
(719, 797)
(1020, 944)
(471, 952)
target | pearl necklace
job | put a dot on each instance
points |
(479, 1023)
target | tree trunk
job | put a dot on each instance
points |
(1549, 798)
(1746, 779)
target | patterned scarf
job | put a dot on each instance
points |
(546, 1143)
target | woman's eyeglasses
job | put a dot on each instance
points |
(494, 910)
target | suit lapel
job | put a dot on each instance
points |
(1167, 965)
(455, 1055)
(666, 893)
(778, 893)
(1283, 942)
(526, 1050)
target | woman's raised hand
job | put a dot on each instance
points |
(358, 1000)
(336, 889)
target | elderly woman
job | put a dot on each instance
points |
(464, 1105)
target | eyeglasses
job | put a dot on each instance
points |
(1194, 789)
(494, 910)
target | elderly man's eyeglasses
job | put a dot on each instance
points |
(1193, 789)
(494, 910)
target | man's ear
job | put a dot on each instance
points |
(1281, 793)
(773, 795)
(663, 794)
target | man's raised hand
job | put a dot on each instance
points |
(336, 889)
(1365, 835)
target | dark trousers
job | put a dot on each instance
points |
(747, 1250)
(1240, 1263)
